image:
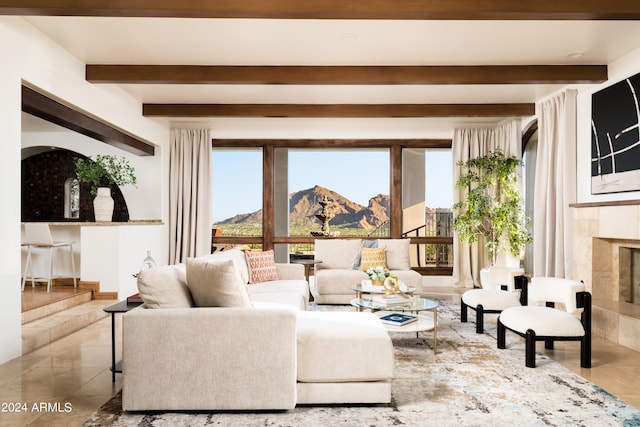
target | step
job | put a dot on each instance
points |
(49, 328)
(56, 306)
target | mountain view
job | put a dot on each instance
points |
(303, 206)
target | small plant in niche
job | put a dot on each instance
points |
(105, 170)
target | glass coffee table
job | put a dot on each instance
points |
(414, 305)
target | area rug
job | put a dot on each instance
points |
(468, 382)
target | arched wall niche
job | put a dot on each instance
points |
(45, 171)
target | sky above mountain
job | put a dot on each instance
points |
(355, 174)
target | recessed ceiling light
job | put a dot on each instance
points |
(574, 55)
(347, 37)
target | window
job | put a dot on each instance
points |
(236, 201)
(71, 198)
(267, 193)
(427, 198)
(355, 182)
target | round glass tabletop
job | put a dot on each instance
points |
(413, 304)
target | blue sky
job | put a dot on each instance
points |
(357, 175)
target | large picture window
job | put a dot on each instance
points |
(268, 193)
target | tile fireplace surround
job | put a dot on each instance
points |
(603, 234)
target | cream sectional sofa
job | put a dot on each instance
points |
(336, 275)
(272, 355)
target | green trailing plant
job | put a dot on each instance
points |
(105, 170)
(493, 207)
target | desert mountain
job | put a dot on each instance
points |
(303, 207)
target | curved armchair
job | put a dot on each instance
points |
(502, 287)
(571, 322)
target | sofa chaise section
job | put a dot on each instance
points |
(209, 358)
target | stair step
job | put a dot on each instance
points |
(56, 307)
(47, 329)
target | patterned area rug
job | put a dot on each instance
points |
(468, 382)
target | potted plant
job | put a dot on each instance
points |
(101, 172)
(493, 208)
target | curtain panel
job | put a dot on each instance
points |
(555, 186)
(189, 194)
(468, 144)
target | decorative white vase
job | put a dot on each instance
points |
(103, 205)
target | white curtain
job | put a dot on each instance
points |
(189, 194)
(468, 144)
(555, 186)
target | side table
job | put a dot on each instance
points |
(120, 307)
(307, 270)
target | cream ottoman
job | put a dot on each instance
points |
(343, 358)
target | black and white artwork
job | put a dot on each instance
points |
(615, 138)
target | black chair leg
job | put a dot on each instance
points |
(585, 351)
(548, 344)
(479, 319)
(463, 312)
(530, 349)
(501, 335)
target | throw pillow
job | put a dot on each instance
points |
(372, 257)
(216, 284)
(398, 254)
(164, 287)
(365, 244)
(262, 266)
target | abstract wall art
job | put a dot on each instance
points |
(615, 138)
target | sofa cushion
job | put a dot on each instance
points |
(342, 346)
(216, 284)
(372, 257)
(397, 253)
(336, 253)
(262, 266)
(236, 255)
(165, 287)
(300, 287)
(329, 282)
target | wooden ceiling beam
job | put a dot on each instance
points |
(338, 110)
(351, 75)
(333, 9)
(49, 109)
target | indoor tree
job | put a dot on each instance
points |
(493, 207)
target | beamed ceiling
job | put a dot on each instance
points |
(447, 63)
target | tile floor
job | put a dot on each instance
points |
(72, 375)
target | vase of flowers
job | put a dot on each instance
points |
(377, 275)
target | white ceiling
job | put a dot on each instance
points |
(180, 41)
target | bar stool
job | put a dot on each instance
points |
(38, 235)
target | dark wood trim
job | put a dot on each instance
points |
(332, 143)
(236, 240)
(528, 133)
(434, 271)
(345, 75)
(395, 192)
(338, 110)
(72, 118)
(602, 204)
(268, 197)
(333, 9)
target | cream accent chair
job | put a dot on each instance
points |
(571, 322)
(38, 236)
(502, 287)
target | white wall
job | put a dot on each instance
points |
(30, 57)
(619, 70)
